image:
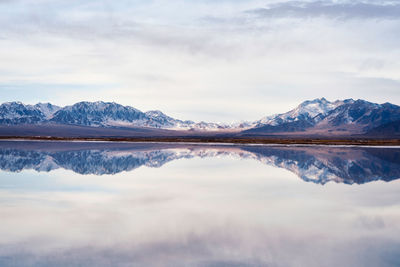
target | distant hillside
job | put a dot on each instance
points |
(96, 114)
(321, 117)
(391, 129)
(312, 118)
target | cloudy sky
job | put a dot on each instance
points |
(225, 60)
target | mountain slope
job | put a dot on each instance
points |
(47, 109)
(318, 117)
(12, 113)
(304, 116)
(365, 114)
(391, 129)
(310, 110)
(322, 117)
(158, 119)
(97, 114)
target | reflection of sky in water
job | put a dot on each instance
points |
(211, 211)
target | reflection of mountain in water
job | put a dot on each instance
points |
(317, 164)
(323, 164)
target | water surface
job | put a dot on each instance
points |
(122, 204)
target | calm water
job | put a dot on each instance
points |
(104, 204)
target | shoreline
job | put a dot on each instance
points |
(216, 140)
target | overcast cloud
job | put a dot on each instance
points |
(202, 60)
(332, 9)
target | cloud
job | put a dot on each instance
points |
(148, 55)
(347, 10)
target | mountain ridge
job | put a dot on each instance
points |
(317, 116)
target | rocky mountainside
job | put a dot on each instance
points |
(47, 109)
(318, 116)
(17, 113)
(95, 114)
(321, 116)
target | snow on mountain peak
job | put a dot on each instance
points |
(155, 113)
(17, 112)
(309, 110)
(47, 109)
(311, 113)
(314, 107)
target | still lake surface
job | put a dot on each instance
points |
(124, 204)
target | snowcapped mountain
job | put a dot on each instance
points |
(318, 116)
(47, 109)
(158, 119)
(18, 113)
(362, 113)
(311, 111)
(322, 116)
(106, 114)
(96, 114)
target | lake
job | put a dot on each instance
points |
(149, 204)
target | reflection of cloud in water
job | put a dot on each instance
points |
(370, 222)
(240, 213)
(229, 245)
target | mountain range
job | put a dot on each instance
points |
(312, 164)
(313, 117)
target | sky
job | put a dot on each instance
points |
(221, 61)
